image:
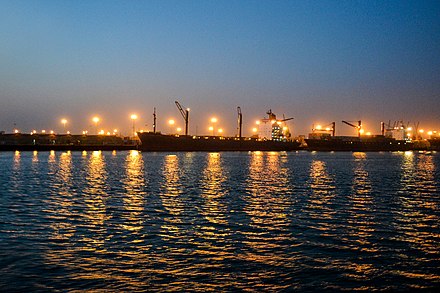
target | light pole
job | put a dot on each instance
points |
(213, 121)
(171, 123)
(64, 121)
(133, 118)
(96, 120)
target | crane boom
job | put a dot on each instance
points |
(358, 127)
(185, 115)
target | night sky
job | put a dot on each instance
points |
(316, 61)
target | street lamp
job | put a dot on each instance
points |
(64, 121)
(213, 121)
(133, 118)
(171, 122)
(96, 120)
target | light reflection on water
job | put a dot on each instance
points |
(264, 221)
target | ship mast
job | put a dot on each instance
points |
(154, 120)
(185, 115)
(240, 122)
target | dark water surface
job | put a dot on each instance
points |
(219, 221)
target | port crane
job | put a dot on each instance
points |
(239, 122)
(358, 127)
(325, 128)
(185, 115)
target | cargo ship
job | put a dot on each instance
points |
(434, 143)
(391, 139)
(63, 142)
(273, 135)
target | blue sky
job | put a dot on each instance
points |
(316, 61)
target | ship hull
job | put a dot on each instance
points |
(358, 145)
(434, 144)
(63, 142)
(156, 142)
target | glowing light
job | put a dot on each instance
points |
(258, 122)
(211, 128)
(96, 120)
(64, 121)
(318, 127)
(220, 130)
(285, 128)
(429, 132)
(328, 129)
(272, 121)
(408, 134)
(133, 118)
(214, 120)
(108, 132)
(421, 130)
(179, 129)
(51, 132)
(68, 132)
(43, 131)
(115, 131)
(101, 132)
(171, 122)
(409, 129)
(16, 131)
(361, 131)
(254, 129)
(368, 133)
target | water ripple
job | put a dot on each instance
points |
(257, 221)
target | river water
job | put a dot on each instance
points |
(257, 221)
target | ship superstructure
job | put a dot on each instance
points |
(272, 128)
